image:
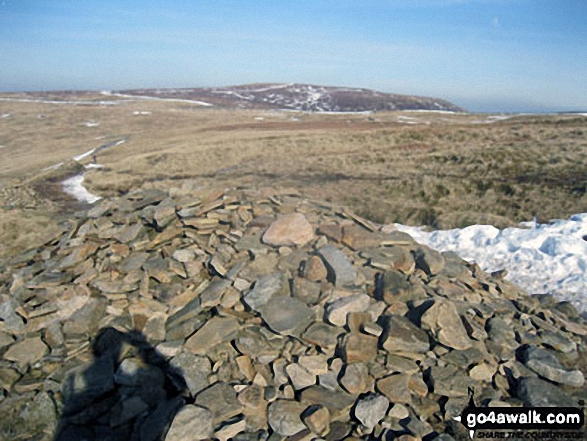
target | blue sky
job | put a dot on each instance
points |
(485, 55)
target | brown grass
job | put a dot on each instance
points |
(443, 171)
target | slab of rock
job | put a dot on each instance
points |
(359, 347)
(287, 315)
(356, 379)
(545, 364)
(191, 423)
(288, 230)
(403, 336)
(443, 319)
(221, 400)
(300, 378)
(539, 393)
(216, 331)
(265, 288)
(371, 409)
(284, 417)
(27, 351)
(194, 369)
(341, 271)
(336, 312)
(395, 388)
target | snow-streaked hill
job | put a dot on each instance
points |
(300, 97)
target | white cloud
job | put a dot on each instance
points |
(495, 22)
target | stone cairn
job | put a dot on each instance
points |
(258, 314)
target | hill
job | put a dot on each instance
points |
(300, 97)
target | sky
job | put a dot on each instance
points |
(484, 55)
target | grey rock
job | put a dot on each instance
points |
(265, 288)
(545, 364)
(403, 336)
(443, 319)
(221, 400)
(191, 423)
(371, 409)
(127, 410)
(28, 351)
(449, 381)
(539, 393)
(284, 417)
(217, 330)
(194, 369)
(336, 312)
(340, 269)
(86, 320)
(428, 260)
(287, 315)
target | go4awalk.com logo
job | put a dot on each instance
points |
(524, 423)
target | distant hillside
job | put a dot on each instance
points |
(304, 97)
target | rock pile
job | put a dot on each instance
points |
(254, 314)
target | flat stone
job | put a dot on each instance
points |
(336, 312)
(443, 319)
(355, 379)
(356, 237)
(338, 402)
(288, 230)
(306, 291)
(340, 269)
(323, 335)
(359, 347)
(557, 341)
(221, 400)
(287, 315)
(28, 351)
(194, 369)
(403, 336)
(191, 423)
(371, 409)
(545, 364)
(395, 388)
(265, 288)
(300, 378)
(284, 417)
(535, 392)
(482, 372)
(86, 320)
(403, 365)
(216, 331)
(449, 381)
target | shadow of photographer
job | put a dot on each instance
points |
(128, 392)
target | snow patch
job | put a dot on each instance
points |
(83, 155)
(541, 258)
(6, 115)
(141, 112)
(73, 187)
(53, 167)
(89, 166)
(90, 124)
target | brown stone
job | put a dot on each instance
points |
(289, 229)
